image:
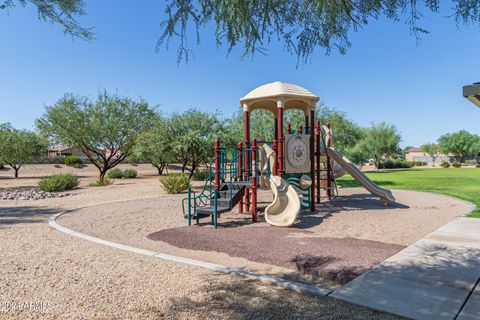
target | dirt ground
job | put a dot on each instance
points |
(329, 247)
(50, 275)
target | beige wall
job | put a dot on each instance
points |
(409, 155)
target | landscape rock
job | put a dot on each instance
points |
(32, 195)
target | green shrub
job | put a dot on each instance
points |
(418, 163)
(129, 173)
(73, 161)
(201, 175)
(394, 164)
(2, 166)
(100, 183)
(58, 182)
(456, 164)
(115, 173)
(471, 162)
(175, 183)
(445, 164)
(477, 165)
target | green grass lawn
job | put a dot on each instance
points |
(462, 183)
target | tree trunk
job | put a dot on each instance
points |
(160, 168)
(194, 166)
(184, 166)
(103, 172)
(16, 172)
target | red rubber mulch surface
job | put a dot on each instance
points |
(337, 259)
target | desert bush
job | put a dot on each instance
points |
(201, 175)
(73, 161)
(456, 164)
(58, 182)
(394, 164)
(115, 173)
(445, 164)
(101, 183)
(471, 162)
(418, 163)
(129, 173)
(175, 183)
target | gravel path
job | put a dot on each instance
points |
(45, 274)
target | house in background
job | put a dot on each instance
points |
(415, 154)
(65, 151)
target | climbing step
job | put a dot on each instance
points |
(207, 211)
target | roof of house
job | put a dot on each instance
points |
(60, 148)
(413, 149)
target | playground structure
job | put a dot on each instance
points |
(296, 166)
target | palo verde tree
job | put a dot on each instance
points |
(105, 129)
(62, 12)
(461, 144)
(379, 141)
(18, 147)
(155, 145)
(346, 132)
(301, 26)
(261, 126)
(358, 154)
(193, 134)
(432, 149)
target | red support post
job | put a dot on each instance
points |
(318, 154)
(280, 168)
(240, 173)
(289, 128)
(254, 180)
(247, 160)
(247, 199)
(307, 125)
(275, 129)
(275, 162)
(329, 167)
(312, 158)
(217, 165)
(300, 129)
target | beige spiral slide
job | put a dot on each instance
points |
(284, 209)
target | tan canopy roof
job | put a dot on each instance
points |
(279, 94)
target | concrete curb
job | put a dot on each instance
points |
(297, 286)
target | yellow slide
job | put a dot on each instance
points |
(384, 194)
(284, 209)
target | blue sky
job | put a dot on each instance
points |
(385, 76)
